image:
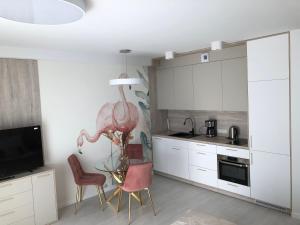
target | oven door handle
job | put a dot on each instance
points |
(233, 164)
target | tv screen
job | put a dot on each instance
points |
(20, 150)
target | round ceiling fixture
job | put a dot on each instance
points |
(49, 12)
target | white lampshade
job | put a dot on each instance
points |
(125, 81)
(50, 12)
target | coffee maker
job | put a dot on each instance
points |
(211, 128)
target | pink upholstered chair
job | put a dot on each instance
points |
(138, 178)
(134, 151)
(82, 178)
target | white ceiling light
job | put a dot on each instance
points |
(50, 12)
(216, 45)
(123, 78)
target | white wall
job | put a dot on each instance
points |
(295, 110)
(71, 96)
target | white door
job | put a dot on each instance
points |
(165, 88)
(178, 159)
(270, 178)
(44, 198)
(268, 58)
(183, 88)
(160, 154)
(269, 116)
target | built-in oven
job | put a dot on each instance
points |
(234, 169)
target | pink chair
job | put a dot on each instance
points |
(82, 178)
(134, 151)
(138, 178)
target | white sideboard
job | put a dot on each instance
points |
(29, 199)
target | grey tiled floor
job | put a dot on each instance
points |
(173, 200)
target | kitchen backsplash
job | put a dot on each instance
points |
(224, 121)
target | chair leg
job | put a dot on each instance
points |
(103, 193)
(77, 198)
(152, 205)
(81, 193)
(119, 200)
(140, 197)
(100, 198)
(129, 208)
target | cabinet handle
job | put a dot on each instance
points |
(201, 153)
(6, 214)
(6, 199)
(6, 185)
(176, 148)
(232, 185)
(202, 170)
(231, 149)
(202, 145)
(251, 158)
(44, 175)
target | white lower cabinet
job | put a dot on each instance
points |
(270, 178)
(29, 200)
(171, 157)
(44, 198)
(234, 188)
(203, 176)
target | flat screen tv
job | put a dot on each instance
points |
(20, 150)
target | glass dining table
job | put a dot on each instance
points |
(117, 166)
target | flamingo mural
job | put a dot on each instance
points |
(116, 121)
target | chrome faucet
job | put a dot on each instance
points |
(193, 125)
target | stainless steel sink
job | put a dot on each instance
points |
(183, 135)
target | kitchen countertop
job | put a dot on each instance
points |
(219, 140)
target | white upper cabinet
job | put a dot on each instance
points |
(270, 178)
(269, 116)
(183, 88)
(165, 89)
(268, 58)
(208, 86)
(235, 88)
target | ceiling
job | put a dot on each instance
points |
(151, 27)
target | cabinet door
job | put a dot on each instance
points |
(207, 86)
(165, 89)
(270, 178)
(44, 197)
(268, 58)
(178, 161)
(160, 154)
(183, 88)
(235, 85)
(269, 117)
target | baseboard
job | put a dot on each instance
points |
(296, 215)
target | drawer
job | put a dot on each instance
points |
(203, 159)
(203, 147)
(15, 201)
(234, 188)
(203, 176)
(234, 152)
(27, 221)
(15, 187)
(178, 144)
(15, 215)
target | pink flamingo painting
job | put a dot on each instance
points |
(114, 120)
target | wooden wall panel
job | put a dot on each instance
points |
(19, 93)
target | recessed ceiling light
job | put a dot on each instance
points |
(50, 12)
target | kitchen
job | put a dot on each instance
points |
(222, 120)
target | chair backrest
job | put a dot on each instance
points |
(134, 151)
(75, 167)
(138, 177)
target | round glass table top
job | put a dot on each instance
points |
(116, 163)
